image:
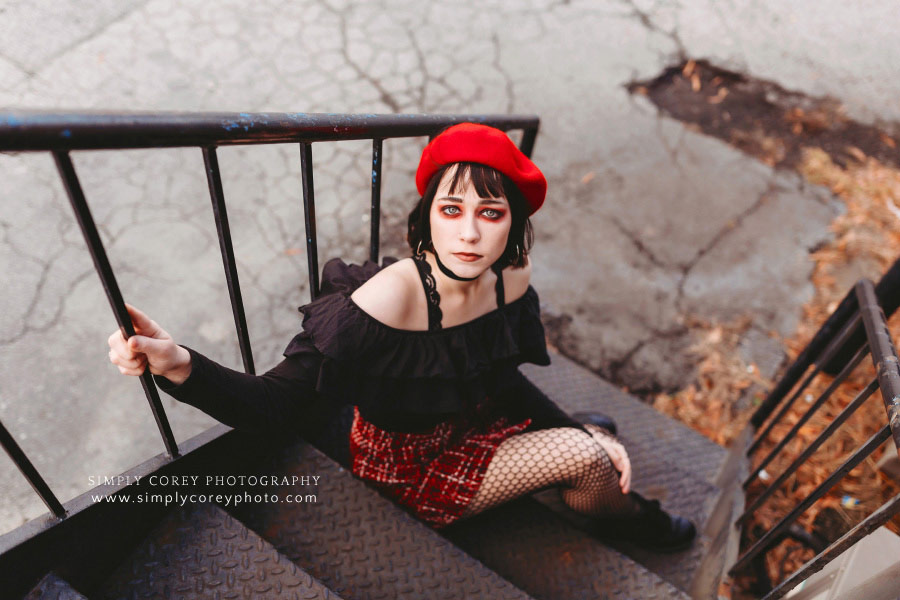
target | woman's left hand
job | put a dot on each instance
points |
(617, 454)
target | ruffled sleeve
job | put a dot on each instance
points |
(368, 363)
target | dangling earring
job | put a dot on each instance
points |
(419, 249)
(518, 254)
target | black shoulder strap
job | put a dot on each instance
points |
(501, 293)
(435, 316)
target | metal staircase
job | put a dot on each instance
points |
(353, 543)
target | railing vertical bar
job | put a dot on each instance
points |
(309, 213)
(845, 310)
(818, 562)
(823, 397)
(104, 270)
(834, 345)
(839, 420)
(31, 474)
(761, 436)
(375, 238)
(884, 354)
(217, 196)
(528, 137)
(857, 457)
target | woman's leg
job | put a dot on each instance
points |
(562, 456)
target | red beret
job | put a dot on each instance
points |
(471, 142)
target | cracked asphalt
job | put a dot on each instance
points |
(647, 223)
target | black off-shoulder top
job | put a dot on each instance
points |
(401, 380)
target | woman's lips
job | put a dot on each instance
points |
(467, 257)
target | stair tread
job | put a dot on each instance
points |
(541, 553)
(53, 587)
(361, 544)
(677, 568)
(200, 551)
(364, 546)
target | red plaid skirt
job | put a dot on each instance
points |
(434, 474)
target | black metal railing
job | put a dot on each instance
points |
(60, 134)
(857, 328)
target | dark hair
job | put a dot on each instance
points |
(489, 183)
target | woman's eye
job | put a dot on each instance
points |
(490, 213)
(451, 210)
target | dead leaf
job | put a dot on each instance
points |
(856, 153)
(720, 95)
(695, 82)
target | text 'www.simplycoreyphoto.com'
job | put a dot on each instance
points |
(186, 489)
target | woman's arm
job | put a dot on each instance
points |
(281, 399)
(284, 399)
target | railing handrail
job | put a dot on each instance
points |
(36, 130)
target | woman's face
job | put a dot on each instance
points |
(469, 233)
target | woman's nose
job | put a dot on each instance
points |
(469, 230)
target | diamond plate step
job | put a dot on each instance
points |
(202, 552)
(683, 495)
(52, 587)
(542, 554)
(360, 544)
(671, 463)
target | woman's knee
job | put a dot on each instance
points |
(589, 456)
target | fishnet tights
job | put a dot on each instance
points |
(564, 457)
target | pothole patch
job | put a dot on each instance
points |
(762, 118)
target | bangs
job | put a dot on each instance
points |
(488, 182)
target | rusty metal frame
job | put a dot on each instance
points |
(868, 317)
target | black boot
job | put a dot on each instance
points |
(598, 419)
(651, 528)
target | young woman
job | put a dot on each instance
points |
(426, 349)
